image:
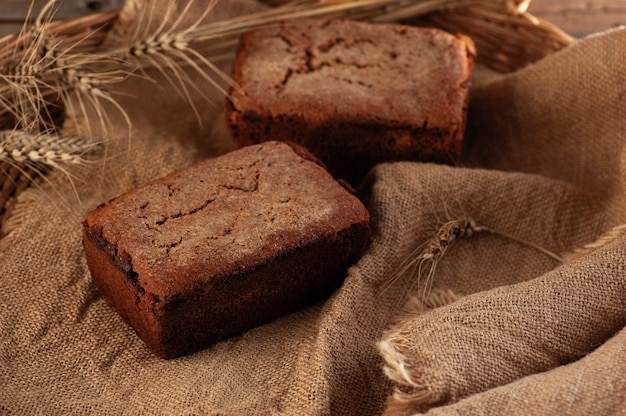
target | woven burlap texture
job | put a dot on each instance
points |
(544, 163)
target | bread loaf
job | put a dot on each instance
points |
(353, 93)
(218, 248)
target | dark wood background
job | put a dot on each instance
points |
(576, 17)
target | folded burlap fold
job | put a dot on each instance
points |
(496, 337)
(559, 119)
(593, 385)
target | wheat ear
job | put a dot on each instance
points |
(43, 149)
(34, 154)
(427, 255)
(422, 262)
(20, 78)
(171, 49)
(41, 68)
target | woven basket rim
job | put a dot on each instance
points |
(537, 38)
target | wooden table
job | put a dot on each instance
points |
(13, 12)
(576, 17)
(581, 17)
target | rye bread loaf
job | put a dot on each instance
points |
(353, 93)
(230, 243)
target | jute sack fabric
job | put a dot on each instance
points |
(529, 319)
(561, 122)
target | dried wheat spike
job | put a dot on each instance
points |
(41, 149)
(171, 49)
(426, 256)
(422, 262)
(45, 70)
(447, 234)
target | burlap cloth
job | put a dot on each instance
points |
(544, 167)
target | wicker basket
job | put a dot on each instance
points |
(507, 38)
(83, 34)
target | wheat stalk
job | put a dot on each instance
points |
(25, 157)
(35, 150)
(172, 50)
(421, 263)
(33, 69)
(43, 68)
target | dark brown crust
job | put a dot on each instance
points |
(213, 250)
(304, 153)
(353, 93)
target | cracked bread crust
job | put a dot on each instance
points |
(222, 246)
(353, 93)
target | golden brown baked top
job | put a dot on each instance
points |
(341, 70)
(222, 217)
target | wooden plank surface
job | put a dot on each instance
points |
(576, 17)
(14, 12)
(580, 18)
